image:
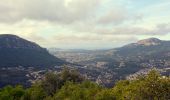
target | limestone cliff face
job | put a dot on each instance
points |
(149, 42)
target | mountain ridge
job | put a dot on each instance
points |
(14, 41)
(16, 51)
(150, 41)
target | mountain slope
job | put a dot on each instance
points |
(15, 51)
(146, 47)
(133, 57)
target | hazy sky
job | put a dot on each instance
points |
(88, 24)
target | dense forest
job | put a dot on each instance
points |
(70, 85)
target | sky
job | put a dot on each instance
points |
(85, 24)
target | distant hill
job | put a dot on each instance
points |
(133, 57)
(148, 48)
(16, 51)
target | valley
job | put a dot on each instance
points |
(105, 67)
(128, 61)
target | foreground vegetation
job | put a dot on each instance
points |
(70, 85)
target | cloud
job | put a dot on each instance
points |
(118, 13)
(83, 23)
(8, 12)
(113, 17)
(61, 11)
(160, 29)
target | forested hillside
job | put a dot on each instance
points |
(16, 51)
(70, 85)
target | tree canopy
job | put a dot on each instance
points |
(70, 85)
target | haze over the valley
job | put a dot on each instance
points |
(85, 24)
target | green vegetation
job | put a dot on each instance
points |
(70, 85)
(16, 51)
